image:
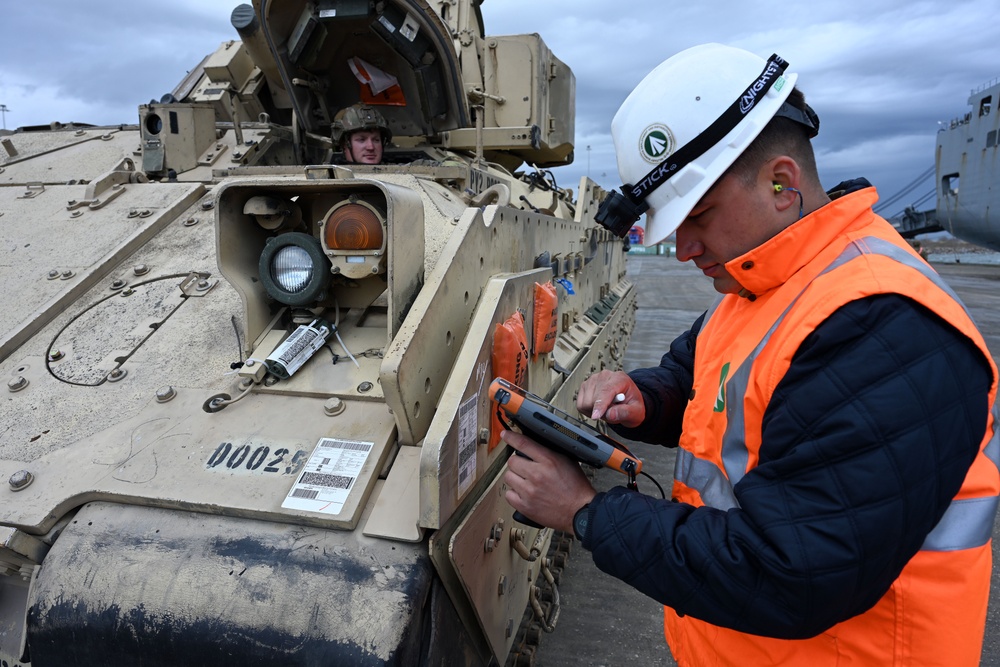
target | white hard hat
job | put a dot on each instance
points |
(683, 126)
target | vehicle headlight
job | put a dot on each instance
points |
(294, 270)
(353, 227)
(354, 238)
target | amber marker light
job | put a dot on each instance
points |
(353, 227)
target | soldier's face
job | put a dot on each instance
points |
(364, 147)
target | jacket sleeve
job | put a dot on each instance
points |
(665, 390)
(866, 440)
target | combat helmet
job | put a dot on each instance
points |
(359, 117)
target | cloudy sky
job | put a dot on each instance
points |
(880, 73)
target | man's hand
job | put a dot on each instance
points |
(546, 487)
(597, 399)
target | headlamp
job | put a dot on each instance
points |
(618, 213)
(294, 270)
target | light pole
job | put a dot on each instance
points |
(3, 112)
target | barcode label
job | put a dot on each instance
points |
(468, 436)
(329, 481)
(329, 476)
(300, 339)
(297, 349)
(347, 444)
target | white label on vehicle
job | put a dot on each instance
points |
(329, 476)
(410, 28)
(468, 436)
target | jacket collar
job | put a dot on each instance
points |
(773, 262)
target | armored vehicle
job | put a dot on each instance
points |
(245, 416)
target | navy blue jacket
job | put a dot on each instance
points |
(865, 442)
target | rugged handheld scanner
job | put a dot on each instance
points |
(556, 429)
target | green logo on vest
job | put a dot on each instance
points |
(720, 399)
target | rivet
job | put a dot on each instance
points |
(133, 213)
(53, 274)
(164, 394)
(250, 363)
(237, 154)
(17, 384)
(365, 387)
(190, 222)
(117, 284)
(145, 213)
(117, 374)
(207, 205)
(202, 285)
(334, 407)
(140, 269)
(76, 214)
(128, 292)
(56, 355)
(20, 480)
(747, 266)
(67, 274)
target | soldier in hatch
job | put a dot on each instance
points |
(361, 133)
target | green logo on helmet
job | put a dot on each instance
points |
(656, 143)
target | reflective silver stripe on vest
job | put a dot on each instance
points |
(965, 525)
(704, 476)
(734, 447)
(872, 245)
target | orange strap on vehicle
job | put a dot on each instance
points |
(510, 361)
(546, 318)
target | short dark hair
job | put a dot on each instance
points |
(781, 136)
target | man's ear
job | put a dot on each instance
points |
(784, 176)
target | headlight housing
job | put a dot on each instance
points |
(294, 270)
(354, 238)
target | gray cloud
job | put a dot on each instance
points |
(881, 74)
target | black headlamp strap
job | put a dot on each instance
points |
(710, 136)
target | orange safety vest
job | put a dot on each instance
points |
(935, 611)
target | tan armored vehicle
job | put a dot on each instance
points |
(244, 416)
